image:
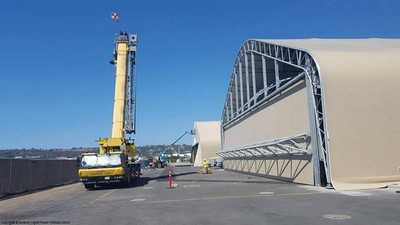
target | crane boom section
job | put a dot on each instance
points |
(124, 97)
(120, 89)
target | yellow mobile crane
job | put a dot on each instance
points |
(116, 160)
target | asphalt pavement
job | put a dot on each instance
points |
(225, 198)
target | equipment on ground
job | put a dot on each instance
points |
(159, 161)
(116, 161)
(180, 137)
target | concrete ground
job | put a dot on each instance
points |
(225, 198)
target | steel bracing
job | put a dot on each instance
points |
(263, 71)
(130, 110)
(293, 147)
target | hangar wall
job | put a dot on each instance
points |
(291, 170)
(288, 117)
(363, 109)
(360, 79)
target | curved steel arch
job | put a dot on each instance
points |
(243, 98)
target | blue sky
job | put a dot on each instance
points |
(57, 86)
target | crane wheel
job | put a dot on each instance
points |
(89, 186)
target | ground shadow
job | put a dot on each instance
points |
(139, 182)
(165, 177)
(230, 181)
(142, 181)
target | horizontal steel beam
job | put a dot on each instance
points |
(283, 147)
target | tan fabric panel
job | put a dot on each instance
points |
(361, 80)
(363, 116)
(208, 135)
(285, 118)
(198, 158)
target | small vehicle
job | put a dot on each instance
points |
(220, 164)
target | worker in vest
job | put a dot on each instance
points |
(206, 168)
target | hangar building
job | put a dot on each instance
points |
(315, 111)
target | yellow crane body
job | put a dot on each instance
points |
(114, 171)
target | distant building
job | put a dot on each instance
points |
(206, 141)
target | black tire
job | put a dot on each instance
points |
(89, 186)
(127, 182)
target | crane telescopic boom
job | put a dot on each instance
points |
(124, 98)
(123, 123)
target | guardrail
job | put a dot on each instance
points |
(24, 175)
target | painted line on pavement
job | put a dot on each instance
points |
(266, 193)
(337, 216)
(138, 200)
(228, 197)
(191, 185)
(354, 193)
(103, 196)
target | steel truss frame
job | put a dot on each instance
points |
(233, 111)
(291, 147)
(130, 109)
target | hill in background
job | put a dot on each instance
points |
(32, 153)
